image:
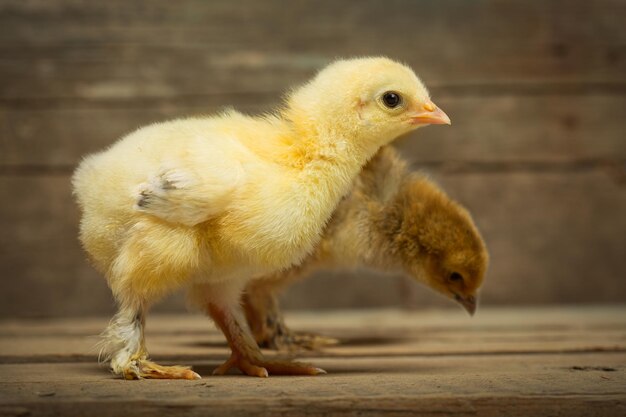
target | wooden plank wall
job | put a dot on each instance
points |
(537, 151)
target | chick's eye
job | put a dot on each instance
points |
(455, 276)
(392, 99)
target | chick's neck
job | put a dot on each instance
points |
(328, 155)
(328, 134)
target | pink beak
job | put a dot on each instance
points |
(430, 115)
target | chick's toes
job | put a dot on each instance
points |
(293, 341)
(150, 370)
(267, 323)
(246, 354)
(275, 334)
(263, 368)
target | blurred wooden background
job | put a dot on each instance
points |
(537, 150)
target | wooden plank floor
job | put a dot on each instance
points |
(540, 361)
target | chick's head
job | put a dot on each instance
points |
(437, 242)
(369, 100)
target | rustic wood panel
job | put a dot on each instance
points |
(518, 362)
(122, 50)
(548, 233)
(43, 267)
(536, 91)
(390, 332)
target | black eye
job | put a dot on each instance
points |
(392, 99)
(455, 276)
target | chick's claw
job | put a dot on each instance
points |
(267, 323)
(290, 341)
(309, 341)
(243, 364)
(263, 368)
(146, 369)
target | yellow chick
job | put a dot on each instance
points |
(393, 220)
(206, 203)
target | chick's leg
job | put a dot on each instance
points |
(267, 322)
(124, 347)
(221, 302)
(246, 354)
(262, 312)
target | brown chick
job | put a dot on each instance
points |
(393, 221)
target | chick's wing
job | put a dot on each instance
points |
(188, 195)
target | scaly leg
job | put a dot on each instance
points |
(267, 323)
(123, 345)
(246, 354)
(221, 302)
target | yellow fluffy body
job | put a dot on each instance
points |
(215, 200)
(247, 192)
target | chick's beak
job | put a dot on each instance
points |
(468, 302)
(430, 114)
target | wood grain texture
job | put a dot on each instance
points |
(375, 332)
(117, 50)
(517, 362)
(509, 129)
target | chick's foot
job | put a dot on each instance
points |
(276, 335)
(246, 354)
(268, 326)
(123, 346)
(146, 369)
(258, 366)
(294, 341)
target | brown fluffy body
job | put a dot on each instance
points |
(393, 221)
